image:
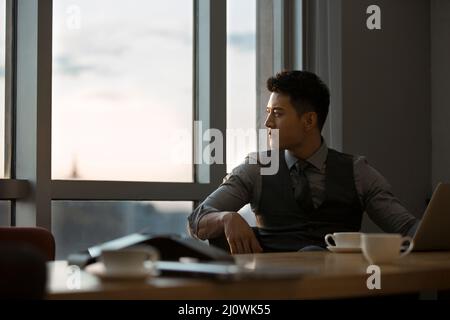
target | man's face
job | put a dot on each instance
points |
(281, 115)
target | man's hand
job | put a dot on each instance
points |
(239, 235)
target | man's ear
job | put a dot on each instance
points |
(310, 119)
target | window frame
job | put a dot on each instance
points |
(29, 99)
(11, 189)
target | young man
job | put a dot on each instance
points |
(315, 191)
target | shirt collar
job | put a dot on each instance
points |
(317, 159)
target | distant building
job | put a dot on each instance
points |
(78, 225)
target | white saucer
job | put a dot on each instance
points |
(344, 249)
(98, 269)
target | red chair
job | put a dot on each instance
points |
(39, 238)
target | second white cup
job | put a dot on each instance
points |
(382, 248)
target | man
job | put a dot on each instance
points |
(315, 191)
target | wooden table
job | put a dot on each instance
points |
(323, 275)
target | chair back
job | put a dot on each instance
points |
(39, 238)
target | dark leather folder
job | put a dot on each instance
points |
(171, 248)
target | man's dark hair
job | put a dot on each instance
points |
(305, 90)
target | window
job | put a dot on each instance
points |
(241, 80)
(123, 90)
(241, 86)
(2, 85)
(128, 80)
(78, 225)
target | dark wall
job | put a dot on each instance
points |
(440, 90)
(386, 93)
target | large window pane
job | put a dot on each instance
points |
(78, 225)
(2, 86)
(241, 80)
(122, 90)
(241, 85)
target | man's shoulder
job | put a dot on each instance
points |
(262, 158)
(250, 168)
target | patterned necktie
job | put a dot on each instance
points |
(302, 191)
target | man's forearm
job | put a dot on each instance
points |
(211, 225)
(234, 193)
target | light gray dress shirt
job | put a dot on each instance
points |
(244, 184)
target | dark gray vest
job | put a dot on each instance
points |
(283, 226)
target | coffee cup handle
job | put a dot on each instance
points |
(327, 237)
(410, 246)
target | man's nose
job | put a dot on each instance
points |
(269, 123)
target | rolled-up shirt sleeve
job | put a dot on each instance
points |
(237, 189)
(379, 202)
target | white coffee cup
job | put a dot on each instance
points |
(344, 239)
(129, 260)
(385, 248)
